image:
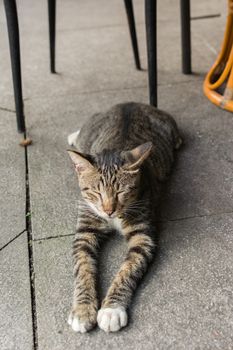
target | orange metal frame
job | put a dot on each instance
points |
(222, 70)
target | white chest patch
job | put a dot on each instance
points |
(115, 223)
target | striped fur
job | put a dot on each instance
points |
(123, 155)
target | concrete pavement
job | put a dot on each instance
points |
(185, 301)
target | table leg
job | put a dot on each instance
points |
(151, 39)
(13, 35)
(185, 36)
(132, 29)
(52, 32)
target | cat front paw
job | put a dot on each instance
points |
(82, 318)
(112, 319)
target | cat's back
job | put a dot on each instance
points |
(125, 126)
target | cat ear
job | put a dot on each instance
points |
(136, 156)
(82, 162)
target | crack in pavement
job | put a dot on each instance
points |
(197, 76)
(51, 237)
(195, 216)
(158, 221)
(30, 252)
(12, 240)
(7, 110)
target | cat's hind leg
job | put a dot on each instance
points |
(72, 138)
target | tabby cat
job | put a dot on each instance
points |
(122, 157)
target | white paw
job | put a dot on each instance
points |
(72, 138)
(77, 325)
(112, 319)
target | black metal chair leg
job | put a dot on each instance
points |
(132, 29)
(185, 36)
(52, 32)
(13, 35)
(151, 38)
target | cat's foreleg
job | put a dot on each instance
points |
(113, 316)
(85, 304)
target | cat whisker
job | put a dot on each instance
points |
(135, 208)
(138, 203)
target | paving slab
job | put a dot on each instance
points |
(12, 179)
(15, 306)
(105, 59)
(201, 183)
(89, 13)
(185, 301)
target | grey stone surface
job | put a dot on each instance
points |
(200, 184)
(202, 179)
(12, 179)
(15, 305)
(89, 14)
(185, 301)
(105, 60)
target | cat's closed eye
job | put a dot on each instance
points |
(119, 192)
(127, 189)
(91, 196)
(97, 192)
(132, 188)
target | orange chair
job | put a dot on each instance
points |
(218, 84)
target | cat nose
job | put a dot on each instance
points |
(109, 211)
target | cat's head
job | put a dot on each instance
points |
(109, 181)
